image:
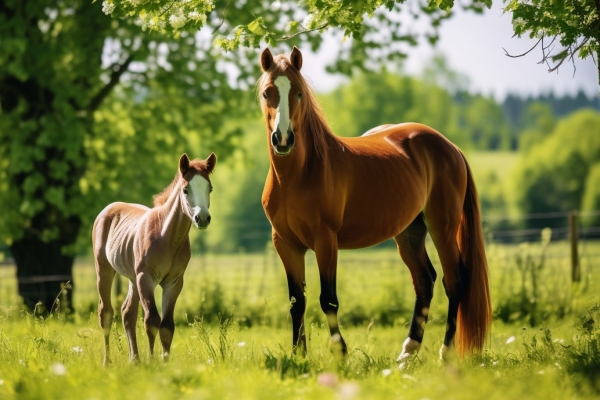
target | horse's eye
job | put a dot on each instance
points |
(299, 96)
(185, 191)
(264, 95)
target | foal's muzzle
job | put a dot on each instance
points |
(201, 221)
(282, 147)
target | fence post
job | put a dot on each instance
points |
(573, 237)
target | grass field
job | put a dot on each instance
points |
(545, 343)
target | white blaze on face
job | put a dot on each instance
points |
(282, 118)
(199, 198)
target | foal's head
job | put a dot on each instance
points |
(281, 89)
(196, 187)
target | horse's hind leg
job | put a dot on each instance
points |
(442, 222)
(411, 245)
(105, 275)
(145, 285)
(167, 324)
(129, 312)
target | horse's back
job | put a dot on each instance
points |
(114, 233)
(390, 176)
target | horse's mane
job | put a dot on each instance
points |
(197, 167)
(315, 125)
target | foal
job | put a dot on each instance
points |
(151, 246)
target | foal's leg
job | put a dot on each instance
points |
(105, 275)
(411, 244)
(293, 262)
(129, 312)
(167, 324)
(326, 251)
(145, 285)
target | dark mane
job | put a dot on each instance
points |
(312, 115)
(197, 167)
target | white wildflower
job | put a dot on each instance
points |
(276, 5)
(510, 340)
(108, 7)
(1, 382)
(241, 344)
(348, 390)
(58, 369)
(77, 349)
(386, 372)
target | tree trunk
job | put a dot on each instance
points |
(43, 270)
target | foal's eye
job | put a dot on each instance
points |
(299, 96)
(264, 95)
(185, 191)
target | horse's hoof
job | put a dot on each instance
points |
(446, 353)
(134, 361)
(165, 356)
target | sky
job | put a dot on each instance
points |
(472, 45)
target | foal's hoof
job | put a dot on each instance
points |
(165, 356)
(135, 360)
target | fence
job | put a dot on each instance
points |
(258, 278)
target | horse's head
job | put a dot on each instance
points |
(196, 188)
(280, 91)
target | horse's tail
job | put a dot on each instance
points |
(475, 308)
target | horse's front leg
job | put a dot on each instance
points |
(293, 262)
(167, 324)
(145, 285)
(326, 250)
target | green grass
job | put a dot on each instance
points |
(553, 352)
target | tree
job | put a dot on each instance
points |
(250, 23)
(574, 24)
(552, 175)
(92, 110)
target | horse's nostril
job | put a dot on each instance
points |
(197, 218)
(274, 139)
(208, 219)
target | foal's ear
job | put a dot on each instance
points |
(184, 163)
(296, 58)
(266, 59)
(211, 161)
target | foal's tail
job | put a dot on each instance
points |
(475, 308)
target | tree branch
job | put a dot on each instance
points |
(222, 19)
(115, 76)
(524, 54)
(325, 25)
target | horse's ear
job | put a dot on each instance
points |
(266, 59)
(211, 161)
(296, 58)
(184, 163)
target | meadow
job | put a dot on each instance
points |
(233, 334)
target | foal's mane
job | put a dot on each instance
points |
(314, 123)
(197, 167)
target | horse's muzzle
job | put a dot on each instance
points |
(281, 147)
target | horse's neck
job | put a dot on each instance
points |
(303, 163)
(175, 223)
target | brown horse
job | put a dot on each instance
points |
(326, 193)
(151, 246)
